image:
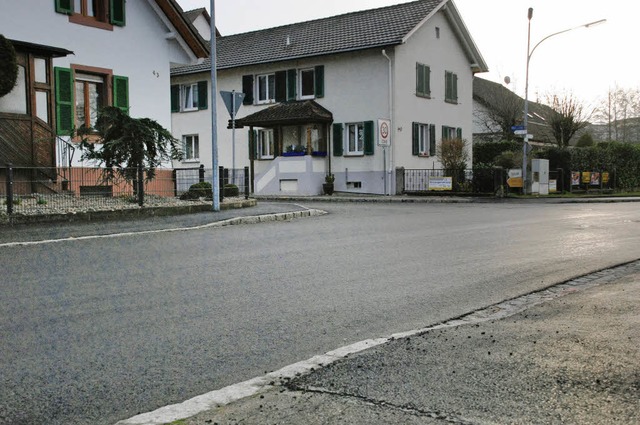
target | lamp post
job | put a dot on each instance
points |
(525, 120)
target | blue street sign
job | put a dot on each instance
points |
(517, 127)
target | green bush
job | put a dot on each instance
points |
(231, 190)
(197, 191)
(487, 152)
(8, 66)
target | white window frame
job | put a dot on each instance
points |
(423, 139)
(358, 132)
(270, 81)
(194, 141)
(313, 86)
(265, 144)
(188, 99)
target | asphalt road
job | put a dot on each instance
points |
(94, 331)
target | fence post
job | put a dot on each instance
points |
(140, 185)
(9, 189)
(174, 176)
(221, 181)
(246, 182)
(201, 173)
(399, 180)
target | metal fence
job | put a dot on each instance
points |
(31, 190)
(439, 180)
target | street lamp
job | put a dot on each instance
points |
(525, 122)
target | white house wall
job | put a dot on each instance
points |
(440, 54)
(139, 50)
(356, 90)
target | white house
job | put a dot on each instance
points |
(76, 56)
(315, 93)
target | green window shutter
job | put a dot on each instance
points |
(369, 138)
(292, 84)
(253, 144)
(427, 78)
(175, 98)
(444, 132)
(432, 140)
(64, 6)
(281, 86)
(247, 89)
(319, 74)
(64, 101)
(454, 82)
(202, 95)
(117, 14)
(121, 93)
(459, 133)
(338, 142)
(277, 151)
(420, 90)
(415, 138)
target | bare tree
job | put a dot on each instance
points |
(566, 116)
(618, 111)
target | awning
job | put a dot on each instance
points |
(40, 49)
(287, 113)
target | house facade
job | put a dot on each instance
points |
(318, 95)
(76, 56)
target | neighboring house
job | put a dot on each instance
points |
(314, 92)
(76, 56)
(201, 21)
(496, 109)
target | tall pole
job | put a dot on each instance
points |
(233, 136)
(214, 112)
(525, 120)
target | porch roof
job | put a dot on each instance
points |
(41, 49)
(288, 113)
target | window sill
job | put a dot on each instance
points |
(191, 161)
(354, 155)
(265, 158)
(453, 102)
(424, 96)
(424, 155)
(190, 110)
(311, 97)
(294, 153)
(90, 21)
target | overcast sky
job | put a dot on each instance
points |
(584, 62)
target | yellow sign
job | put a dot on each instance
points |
(605, 178)
(586, 177)
(514, 182)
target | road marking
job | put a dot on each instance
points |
(311, 212)
(236, 392)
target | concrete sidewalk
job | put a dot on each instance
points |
(569, 354)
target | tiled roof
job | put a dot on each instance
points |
(307, 111)
(381, 27)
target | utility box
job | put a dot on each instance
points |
(539, 176)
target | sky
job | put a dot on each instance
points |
(585, 63)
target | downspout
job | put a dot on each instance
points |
(389, 172)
